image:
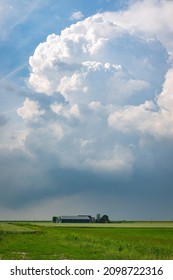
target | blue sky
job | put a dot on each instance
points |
(86, 118)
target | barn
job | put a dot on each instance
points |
(73, 219)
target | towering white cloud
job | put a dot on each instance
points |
(93, 49)
(108, 82)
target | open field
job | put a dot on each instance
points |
(13, 228)
(125, 240)
(156, 224)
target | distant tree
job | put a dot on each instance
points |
(104, 219)
(98, 218)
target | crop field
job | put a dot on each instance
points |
(114, 241)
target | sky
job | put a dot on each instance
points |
(86, 110)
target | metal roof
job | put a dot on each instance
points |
(75, 217)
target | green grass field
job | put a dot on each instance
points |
(114, 241)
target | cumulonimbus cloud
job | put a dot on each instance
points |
(111, 83)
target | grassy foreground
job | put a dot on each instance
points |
(45, 241)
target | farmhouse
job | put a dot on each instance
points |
(73, 219)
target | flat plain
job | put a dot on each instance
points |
(113, 241)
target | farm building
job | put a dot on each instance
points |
(73, 219)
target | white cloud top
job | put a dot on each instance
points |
(149, 17)
(109, 81)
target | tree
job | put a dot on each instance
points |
(103, 219)
(98, 218)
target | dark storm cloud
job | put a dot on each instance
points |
(25, 180)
